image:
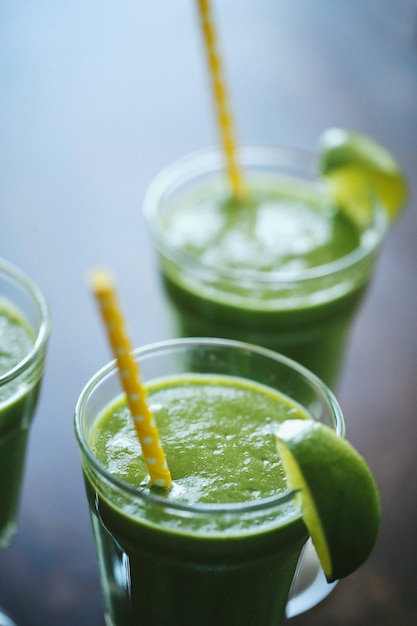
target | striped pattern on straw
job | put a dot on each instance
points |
(102, 285)
(224, 117)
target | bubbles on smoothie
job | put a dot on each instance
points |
(278, 229)
(217, 434)
(123, 452)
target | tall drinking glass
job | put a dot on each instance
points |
(169, 558)
(24, 333)
(286, 268)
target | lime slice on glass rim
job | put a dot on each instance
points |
(337, 492)
(359, 170)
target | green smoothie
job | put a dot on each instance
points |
(284, 267)
(24, 334)
(231, 570)
(17, 401)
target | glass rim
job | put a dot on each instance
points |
(17, 275)
(210, 161)
(203, 508)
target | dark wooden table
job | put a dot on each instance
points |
(95, 97)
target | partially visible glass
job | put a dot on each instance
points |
(24, 333)
(165, 562)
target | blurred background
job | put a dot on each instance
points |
(95, 98)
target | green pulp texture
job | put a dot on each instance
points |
(164, 567)
(218, 438)
(16, 341)
(233, 269)
(269, 231)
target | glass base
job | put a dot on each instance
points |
(6, 620)
(310, 585)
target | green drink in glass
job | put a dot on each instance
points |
(24, 334)
(284, 267)
(223, 544)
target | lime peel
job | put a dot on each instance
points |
(338, 495)
(360, 171)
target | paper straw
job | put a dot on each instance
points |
(153, 454)
(220, 98)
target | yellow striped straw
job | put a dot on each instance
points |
(102, 285)
(220, 98)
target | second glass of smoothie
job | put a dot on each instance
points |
(283, 267)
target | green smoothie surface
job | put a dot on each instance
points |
(16, 341)
(217, 433)
(278, 227)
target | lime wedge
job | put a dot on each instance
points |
(338, 495)
(358, 169)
